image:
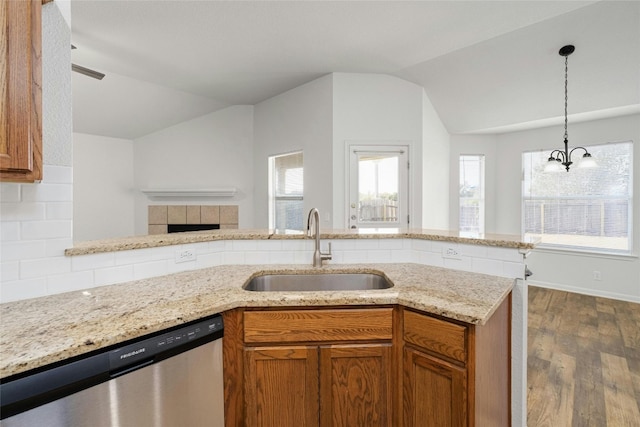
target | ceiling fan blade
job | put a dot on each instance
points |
(87, 72)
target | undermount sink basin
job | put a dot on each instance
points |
(317, 282)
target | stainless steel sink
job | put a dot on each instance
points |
(317, 282)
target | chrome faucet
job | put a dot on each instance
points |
(318, 256)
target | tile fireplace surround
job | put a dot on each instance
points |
(162, 215)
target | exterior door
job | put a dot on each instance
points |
(378, 186)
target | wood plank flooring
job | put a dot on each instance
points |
(583, 362)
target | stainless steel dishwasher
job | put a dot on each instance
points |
(170, 378)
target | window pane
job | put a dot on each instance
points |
(583, 208)
(472, 194)
(378, 188)
(286, 192)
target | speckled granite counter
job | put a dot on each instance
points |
(45, 330)
(151, 241)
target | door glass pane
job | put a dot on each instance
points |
(378, 188)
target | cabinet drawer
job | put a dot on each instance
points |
(318, 325)
(447, 339)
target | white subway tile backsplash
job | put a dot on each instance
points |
(256, 257)
(92, 261)
(23, 249)
(109, 276)
(297, 245)
(9, 231)
(401, 255)
(281, 257)
(478, 251)
(43, 267)
(47, 193)
(504, 254)
(458, 264)
(9, 192)
(23, 289)
(379, 256)
(354, 257)
(430, 258)
(487, 266)
(145, 270)
(367, 244)
(209, 260)
(70, 282)
(269, 245)
(59, 210)
(23, 211)
(35, 230)
(56, 247)
(421, 245)
(245, 245)
(9, 271)
(217, 246)
(392, 244)
(231, 258)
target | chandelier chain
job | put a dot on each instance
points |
(566, 96)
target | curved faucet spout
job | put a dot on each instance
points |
(318, 256)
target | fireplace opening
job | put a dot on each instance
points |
(178, 228)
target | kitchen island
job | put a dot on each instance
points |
(54, 328)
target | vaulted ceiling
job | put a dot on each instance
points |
(487, 66)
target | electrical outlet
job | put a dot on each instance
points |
(597, 275)
(451, 252)
(185, 255)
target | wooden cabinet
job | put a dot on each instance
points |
(21, 90)
(308, 367)
(435, 392)
(457, 375)
(377, 366)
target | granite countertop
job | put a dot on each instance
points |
(157, 240)
(45, 330)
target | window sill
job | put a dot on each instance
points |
(585, 252)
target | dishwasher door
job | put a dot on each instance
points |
(183, 390)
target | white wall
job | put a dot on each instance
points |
(569, 271)
(299, 119)
(376, 109)
(36, 219)
(436, 184)
(214, 150)
(104, 194)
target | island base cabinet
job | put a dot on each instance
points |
(334, 385)
(355, 385)
(281, 386)
(434, 392)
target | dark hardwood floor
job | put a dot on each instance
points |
(583, 362)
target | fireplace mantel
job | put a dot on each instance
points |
(189, 192)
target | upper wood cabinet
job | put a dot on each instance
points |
(21, 90)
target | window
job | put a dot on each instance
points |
(584, 209)
(471, 220)
(285, 192)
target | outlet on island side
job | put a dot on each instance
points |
(185, 255)
(451, 252)
(597, 275)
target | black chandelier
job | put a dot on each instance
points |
(563, 157)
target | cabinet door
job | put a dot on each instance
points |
(434, 392)
(281, 386)
(355, 385)
(20, 90)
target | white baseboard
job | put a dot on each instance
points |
(585, 291)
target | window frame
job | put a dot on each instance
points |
(481, 200)
(272, 193)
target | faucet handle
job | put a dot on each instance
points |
(326, 255)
